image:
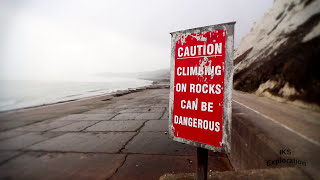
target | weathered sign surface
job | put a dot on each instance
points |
(201, 85)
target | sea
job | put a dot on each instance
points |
(19, 94)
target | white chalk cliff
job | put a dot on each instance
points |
(280, 56)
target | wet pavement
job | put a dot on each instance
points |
(106, 137)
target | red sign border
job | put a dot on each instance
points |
(228, 80)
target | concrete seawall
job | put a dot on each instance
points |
(269, 134)
(124, 136)
(250, 147)
(120, 136)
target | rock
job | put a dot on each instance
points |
(280, 55)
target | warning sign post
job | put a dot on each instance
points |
(201, 87)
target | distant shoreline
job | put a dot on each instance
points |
(154, 85)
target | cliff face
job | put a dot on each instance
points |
(280, 56)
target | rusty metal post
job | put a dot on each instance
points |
(202, 164)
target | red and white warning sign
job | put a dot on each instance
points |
(198, 88)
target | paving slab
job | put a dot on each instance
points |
(116, 126)
(153, 166)
(23, 141)
(135, 105)
(148, 116)
(110, 142)
(44, 125)
(78, 126)
(6, 155)
(165, 116)
(166, 105)
(157, 143)
(126, 116)
(157, 109)
(10, 134)
(53, 166)
(126, 106)
(6, 125)
(104, 111)
(141, 110)
(156, 125)
(87, 117)
(144, 104)
(132, 110)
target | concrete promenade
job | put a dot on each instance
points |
(123, 136)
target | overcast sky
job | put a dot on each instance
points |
(57, 39)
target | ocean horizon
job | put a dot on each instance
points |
(20, 94)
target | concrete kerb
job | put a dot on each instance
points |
(277, 173)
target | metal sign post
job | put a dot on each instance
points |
(200, 89)
(202, 164)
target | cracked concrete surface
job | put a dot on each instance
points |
(123, 137)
